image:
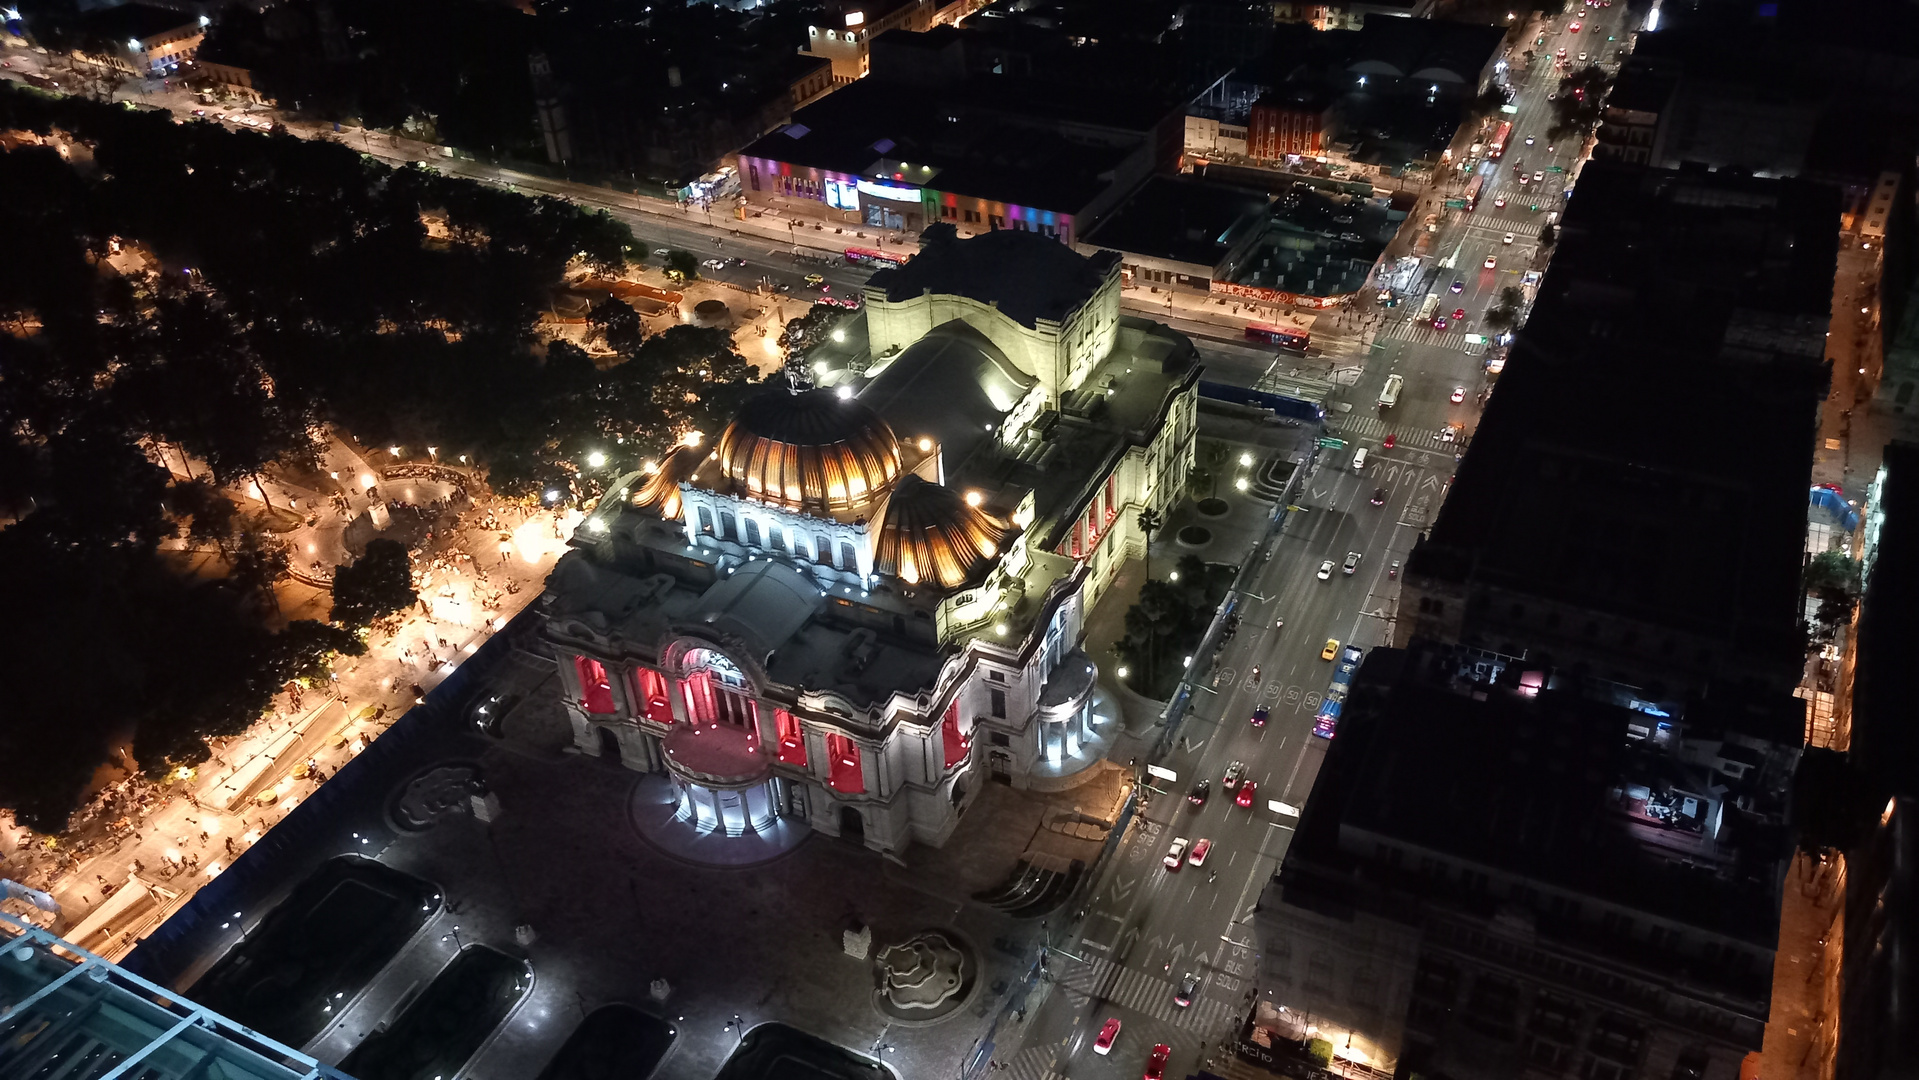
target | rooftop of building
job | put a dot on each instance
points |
(133, 21)
(1312, 242)
(1026, 276)
(1683, 315)
(1885, 681)
(869, 128)
(1182, 220)
(1541, 783)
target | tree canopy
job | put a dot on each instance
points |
(296, 287)
(377, 584)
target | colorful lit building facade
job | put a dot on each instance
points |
(861, 602)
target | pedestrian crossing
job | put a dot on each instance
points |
(1371, 427)
(1147, 993)
(1033, 1063)
(1423, 333)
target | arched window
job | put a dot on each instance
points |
(843, 765)
(952, 742)
(596, 693)
(792, 738)
(652, 695)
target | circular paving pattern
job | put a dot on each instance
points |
(1195, 536)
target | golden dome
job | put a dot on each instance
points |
(931, 535)
(810, 451)
(661, 491)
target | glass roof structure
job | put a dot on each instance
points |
(65, 1012)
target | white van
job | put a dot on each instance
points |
(1359, 459)
(1389, 396)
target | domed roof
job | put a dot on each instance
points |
(930, 535)
(810, 451)
(661, 491)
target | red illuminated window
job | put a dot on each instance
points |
(792, 738)
(1112, 498)
(596, 694)
(843, 765)
(955, 744)
(654, 703)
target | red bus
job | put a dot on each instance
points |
(1473, 191)
(1498, 148)
(1292, 340)
(869, 257)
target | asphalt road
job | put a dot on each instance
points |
(1146, 927)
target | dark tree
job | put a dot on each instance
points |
(682, 264)
(378, 584)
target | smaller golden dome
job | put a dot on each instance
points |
(810, 451)
(931, 536)
(661, 491)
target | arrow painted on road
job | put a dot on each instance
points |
(1318, 494)
(1431, 481)
(1127, 942)
(1121, 887)
(1190, 745)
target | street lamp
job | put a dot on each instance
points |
(455, 935)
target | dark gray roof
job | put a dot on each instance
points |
(1025, 275)
(950, 385)
(1189, 221)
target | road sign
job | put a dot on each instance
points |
(1554, 168)
(1475, 339)
(1332, 444)
(1167, 775)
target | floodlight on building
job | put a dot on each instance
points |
(596, 459)
(394, 450)
(974, 498)
(926, 445)
(839, 335)
(691, 438)
(1242, 484)
(1246, 458)
(844, 393)
(1122, 671)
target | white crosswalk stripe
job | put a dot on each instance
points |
(1363, 427)
(1033, 1063)
(1146, 993)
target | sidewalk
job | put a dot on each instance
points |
(1804, 1023)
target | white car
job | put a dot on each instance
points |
(1352, 562)
(1176, 855)
(1492, 261)
(1325, 570)
(1507, 239)
(1529, 140)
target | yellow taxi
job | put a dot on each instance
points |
(1331, 650)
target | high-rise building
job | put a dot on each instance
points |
(1510, 870)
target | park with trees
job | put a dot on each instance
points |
(293, 291)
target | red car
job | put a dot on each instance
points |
(1107, 1033)
(1459, 314)
(1200, 849)
(1389, 441)
(1573, 29)
(1246, 792)
(1156, 1065)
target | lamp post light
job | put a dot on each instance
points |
(455, 935)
